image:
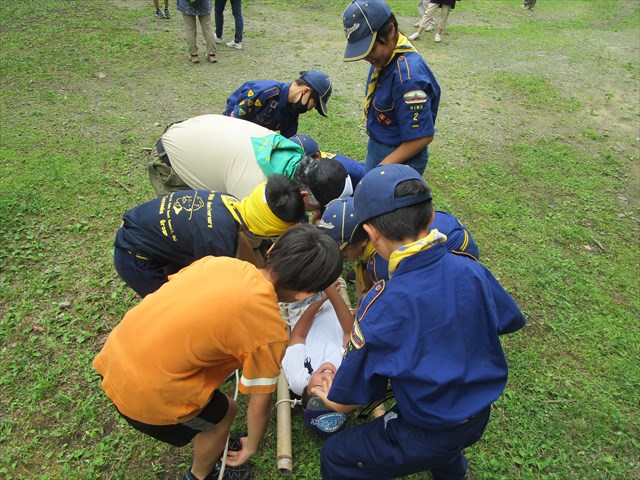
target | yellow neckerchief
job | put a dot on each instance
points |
(361, 263)
(403, 46)
(254, 214)
(412, 248)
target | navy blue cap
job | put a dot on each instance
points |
(339, 220)
(375, 193)
(321, 83)
(362, 19)
(321, 420)
(308, 144)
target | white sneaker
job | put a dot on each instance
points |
(430, 27)
(438, 38)
(413, 36)
(216, 39)
(233, 44)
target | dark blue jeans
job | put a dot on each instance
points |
(143, 276)
(389, 447)
(376, 152)
(236, 10)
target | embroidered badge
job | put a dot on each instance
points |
(415, 96)
(241, 112)
(258, 102)
(351, 29)
(250, 103)
(250, 93)
(357, 338)
(329, 422)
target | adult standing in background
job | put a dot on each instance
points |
(402, 93)
(427, 18)
(190, 9)
(236, 10)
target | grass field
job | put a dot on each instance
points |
(537, 152)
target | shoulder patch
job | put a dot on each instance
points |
(414, 97)
(250, 93)
(357, 338)
(404, 72)
(271, 92)
(258, 103)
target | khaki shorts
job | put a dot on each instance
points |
(163, 178)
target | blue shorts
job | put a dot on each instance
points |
(389, 447)
(376, 152)
(144, 276)
(182, 433)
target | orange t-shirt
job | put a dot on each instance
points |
(164, 360)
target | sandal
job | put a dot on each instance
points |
(212, 58)
(195, 59)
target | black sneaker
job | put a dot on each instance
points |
(166, 14)
(159, 13)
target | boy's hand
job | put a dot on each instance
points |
(235, 458)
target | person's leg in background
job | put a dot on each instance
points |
(190, 32)
(207, 33)
(443, 22)
(236, 10)
(218, 12)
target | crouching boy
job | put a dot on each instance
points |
(431, 331)
(163, 364)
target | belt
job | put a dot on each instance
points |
(162, 155)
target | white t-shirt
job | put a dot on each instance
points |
(215, 152)
(323, 344)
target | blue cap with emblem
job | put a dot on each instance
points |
(321, 420)
(339, 220)
(362, 19)
(375, 193)
(321, 84)
(308, 144)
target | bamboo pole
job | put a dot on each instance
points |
(284, 454)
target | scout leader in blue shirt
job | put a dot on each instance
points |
(431, 332)
(277, 105)
(164, 235)
(402, 94)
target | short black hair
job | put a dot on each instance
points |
(284, 198)
(405, 222)
(304, 259)
(306, 395)
(302, 170)
(384, 30)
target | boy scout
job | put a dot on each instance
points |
(431, 332)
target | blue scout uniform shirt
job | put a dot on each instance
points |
(432, 330)
(405, 102)
(264, 102)
(354, 168)
(459, 241)
(180, 227)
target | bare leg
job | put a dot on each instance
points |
(209, 445)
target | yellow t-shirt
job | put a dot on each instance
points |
(164, 360)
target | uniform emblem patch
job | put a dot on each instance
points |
(241, 112)
(258, 102)
(250, 93)
(329, 422)
(415, 96)
(357, 338)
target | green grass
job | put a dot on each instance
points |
(536, 152)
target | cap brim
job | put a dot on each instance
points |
(360, 49)
(322, 107)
